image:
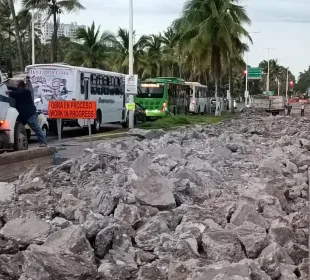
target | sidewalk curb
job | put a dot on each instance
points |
(20, 156)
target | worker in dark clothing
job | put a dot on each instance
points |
(288, 109)
(27, 110)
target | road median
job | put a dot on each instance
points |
(30, 154)
(169, 123)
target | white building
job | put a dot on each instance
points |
(67, 30)
(47, 28)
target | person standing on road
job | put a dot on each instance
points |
(26, 109)
(288, 108)
(302, 111)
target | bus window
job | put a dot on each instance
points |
(99, 79)
(117, 86)
(106, 87)
(111, 83)
(82, 83)
(150, 91)
(86, 91)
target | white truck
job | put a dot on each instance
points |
(271, 104)
(13, 134)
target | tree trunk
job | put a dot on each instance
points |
(54, 38)
(17, 36)
(10, 72)
(217, 104)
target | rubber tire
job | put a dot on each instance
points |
(205, 110)
(95, 128)
(4, 141)
(28, 131)
(54, 129)
(198, 112)
(125, 124)
(20, 137)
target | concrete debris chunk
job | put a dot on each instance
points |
(227, 201)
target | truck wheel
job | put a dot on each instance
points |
(53, 127)
(97, 123)
(28, 131)
(4, 141)
(20, 137)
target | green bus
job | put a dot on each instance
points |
(163, 96)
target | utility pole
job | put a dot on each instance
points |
(287, 86)
(130, 50)
(246, 93)
(33, 37)
(268, 74)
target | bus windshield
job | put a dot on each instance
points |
(150, 91)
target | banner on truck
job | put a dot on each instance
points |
(51, 84)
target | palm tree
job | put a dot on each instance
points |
(17, 35)
(53, 8)
(153, 45)
(93, 51)
(6, 33)
(120, 58)
(25, 24)
(208, 29)
(277, 75)
(171, 53)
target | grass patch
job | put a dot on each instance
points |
(182, 120)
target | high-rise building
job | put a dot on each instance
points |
(47, 28)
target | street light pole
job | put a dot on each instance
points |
(130, 50)
(32, 37)
(268, 75)
(246, 93)
(287, 83)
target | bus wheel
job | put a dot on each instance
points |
(198, 111)
(97, 123)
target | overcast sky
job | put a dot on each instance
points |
(283, 24)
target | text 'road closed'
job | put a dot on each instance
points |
(72, 110)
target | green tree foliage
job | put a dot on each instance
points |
(303, 82)
(53, 8)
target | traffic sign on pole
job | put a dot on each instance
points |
(254, 73)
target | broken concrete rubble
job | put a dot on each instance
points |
(221, 202)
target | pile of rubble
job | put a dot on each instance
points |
(222, 202)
